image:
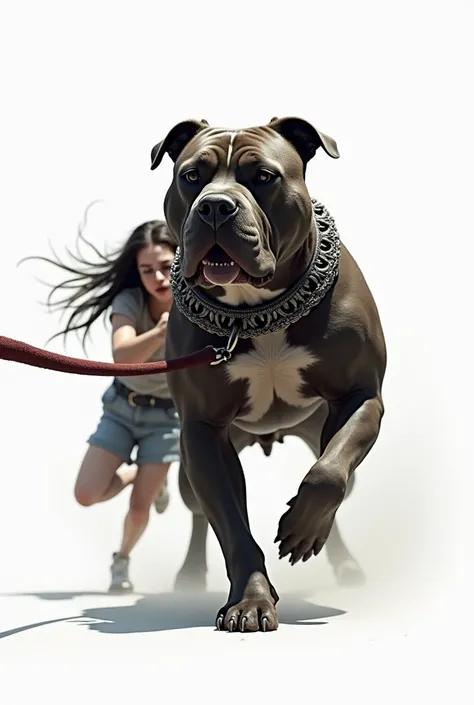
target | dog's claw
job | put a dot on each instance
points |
(219, 622)
(231, 626)
(264, 624)
(284, 551)
(242, 624)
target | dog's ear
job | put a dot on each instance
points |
(176, 140)
(305, 138)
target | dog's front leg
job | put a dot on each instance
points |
(216, 476)
(351, 429)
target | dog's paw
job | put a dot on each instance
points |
(304, 528)
(248, 615)
(251, 607)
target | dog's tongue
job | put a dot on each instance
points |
(218, 268)
(220, 276)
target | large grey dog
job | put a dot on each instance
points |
(260, 268)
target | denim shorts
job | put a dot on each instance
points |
(154, 432)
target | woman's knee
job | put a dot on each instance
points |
(141, 499)
(84, 496)
(148, 484)
(97, 471)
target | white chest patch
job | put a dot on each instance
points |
(272, 369)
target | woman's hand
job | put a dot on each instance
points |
(130, 348)
(162, 324)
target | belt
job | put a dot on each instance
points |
(146, 400)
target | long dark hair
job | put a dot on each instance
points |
(89, 292)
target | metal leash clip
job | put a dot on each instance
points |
(224, 354)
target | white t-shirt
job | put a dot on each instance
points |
(133, 303)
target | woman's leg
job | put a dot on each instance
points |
(110, 446)
(147, 485)
(158, 445)
(149, 480)
(99, 477)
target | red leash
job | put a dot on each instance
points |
(17, 351)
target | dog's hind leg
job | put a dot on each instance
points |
(192, 575)
(345, 567)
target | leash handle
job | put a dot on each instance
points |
(18, 351)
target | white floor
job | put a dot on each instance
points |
(392, 639)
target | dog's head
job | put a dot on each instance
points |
(238, 204)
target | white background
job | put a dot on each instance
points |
(87, 89)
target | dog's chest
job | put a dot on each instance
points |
(273, 371)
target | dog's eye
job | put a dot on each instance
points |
(263, 176)
(191, 176)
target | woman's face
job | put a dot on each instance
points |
(154, 263)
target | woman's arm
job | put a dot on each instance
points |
(130, 348)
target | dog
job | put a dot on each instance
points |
(260, 266)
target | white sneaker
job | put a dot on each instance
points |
(163, 499)
(119, 569)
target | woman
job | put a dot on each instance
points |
(133, 287)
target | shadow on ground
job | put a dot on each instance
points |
(170, 611)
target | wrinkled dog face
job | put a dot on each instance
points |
(238, 203)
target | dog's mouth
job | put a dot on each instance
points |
(217, 268)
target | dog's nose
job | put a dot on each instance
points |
(216, 208)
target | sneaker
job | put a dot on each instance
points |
(119, 569)
(163, 499)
